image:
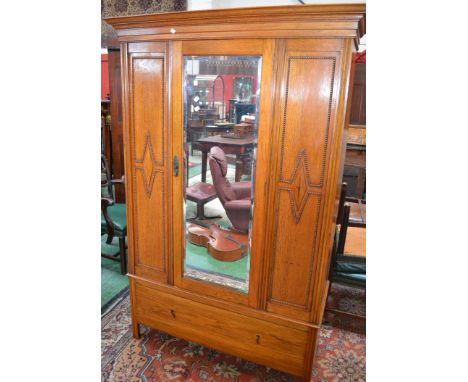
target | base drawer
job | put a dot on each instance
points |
(267, 343)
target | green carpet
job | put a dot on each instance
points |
(195, 170)
(112, 281)
(198, 257)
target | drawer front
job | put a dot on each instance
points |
(276, 346)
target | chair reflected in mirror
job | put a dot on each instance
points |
(236, 197)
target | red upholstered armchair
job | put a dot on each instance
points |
(235, 197)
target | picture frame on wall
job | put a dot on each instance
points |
(242, 89)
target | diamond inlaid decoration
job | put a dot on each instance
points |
(299, 186)
(147, 166)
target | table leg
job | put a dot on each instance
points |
(203, 166)
(239, 166)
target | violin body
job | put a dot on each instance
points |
(222, 244)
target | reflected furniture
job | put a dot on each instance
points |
(215, 128)
(199, 128)
(195, 130)
(235, 197)
(113, 216)
(239, 147)
(243, 129)
(201, 193)
(237, 109)
(304, 53)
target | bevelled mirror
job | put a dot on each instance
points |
(221, 105)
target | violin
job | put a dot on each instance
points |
(222, 244)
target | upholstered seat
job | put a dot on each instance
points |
(117, 213)
(353, 278)
(235, 197)
(113, 217)
(352, 271)
(201, 193)
(351, 268)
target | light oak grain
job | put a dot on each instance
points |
(306, 57)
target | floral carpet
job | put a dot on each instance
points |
(159, 357)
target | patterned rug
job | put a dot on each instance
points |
(159, 357)
(346, 299)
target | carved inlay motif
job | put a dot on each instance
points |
(299, 186)
(147, 165)
(283, 130)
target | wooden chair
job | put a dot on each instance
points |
(345, 269)
(113, 216)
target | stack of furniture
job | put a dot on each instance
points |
(205, 125)
(306, 57)
(347, 269)
(355, 163)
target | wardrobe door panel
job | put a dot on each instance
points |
(148, 136)
(305, 115)
(222, 79)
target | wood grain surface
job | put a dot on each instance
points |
(306, 57)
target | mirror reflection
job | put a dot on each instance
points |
(221, 99)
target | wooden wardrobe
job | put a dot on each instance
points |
(304, 56)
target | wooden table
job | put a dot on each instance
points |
(236, 146)
(356, 232)
(216, 129)
(355, 242)
(196, 129)
(225, 125)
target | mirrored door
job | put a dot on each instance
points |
(220, 119)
